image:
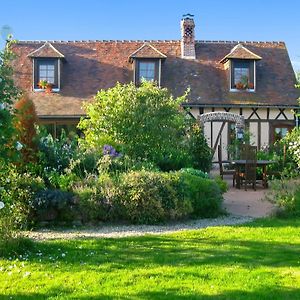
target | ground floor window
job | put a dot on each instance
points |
(279, 130)
(55, 128)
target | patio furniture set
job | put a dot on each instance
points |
(244, 169)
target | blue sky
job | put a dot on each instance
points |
(258, 20)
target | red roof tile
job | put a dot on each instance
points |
(240, 52)
(94, 65)
(47, 50)
(147, 51)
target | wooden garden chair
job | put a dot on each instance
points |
(222, 170)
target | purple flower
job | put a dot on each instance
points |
(110, 150)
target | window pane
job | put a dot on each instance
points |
(47, 71)
(147, 71)
(241, 75)
(43, 73)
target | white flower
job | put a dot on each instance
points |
(1, 204)
(19, 146)
(2, 105)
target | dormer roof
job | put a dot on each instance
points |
(240, 52)
(46, 51)
(147, 51)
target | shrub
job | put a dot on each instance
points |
(223, 185)
(200, 153)
(98, 199)
(26, 119)
(17, 192)
(56, 154)
(54, 205)
(286, 194)
(204, 194)
(195, 172)
(152, 197)
(8, 93)
(142, 121)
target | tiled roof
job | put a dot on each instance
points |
(240, 52)
(93, 65)
(147, 51)
(46, 50)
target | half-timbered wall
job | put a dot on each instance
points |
(259, 121)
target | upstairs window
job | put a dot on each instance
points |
(242, 75)
(147, 70)
(46, 70)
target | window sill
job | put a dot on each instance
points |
(240, 91)
(56, 90)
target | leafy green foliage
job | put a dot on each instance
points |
(292, 139)
(195, 172)
(286, 194)
(17, 193)
(8, 93)
(143, 122)
(25, 121)
(56, 154)
(150, 197)
(51, 204)
(204, 194)
(200, 153)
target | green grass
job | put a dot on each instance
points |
(260, 260)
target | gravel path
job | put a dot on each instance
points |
(115, 231)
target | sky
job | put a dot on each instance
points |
(255, 20)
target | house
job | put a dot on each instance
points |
(252, 79)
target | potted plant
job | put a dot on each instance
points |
(49, 87)
(239, 86)
(250, 86)
(43, 84)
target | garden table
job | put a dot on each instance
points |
(238, 164)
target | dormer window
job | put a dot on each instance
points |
(242, 74)
(147, 64)
(146, 70)
(241, 64)
(46, 69)
(46, 64)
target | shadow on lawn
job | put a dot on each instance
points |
(266, 293)
(179, 250)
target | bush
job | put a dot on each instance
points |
(195, 172)
(142, 121)
(204, 194)
(98, 199)
(286, 195)
(8, 93)
(54, 205)
(223, 185)
(26, 118)
(200, 153)
(17, 193)
(153, 197)
(55, 154)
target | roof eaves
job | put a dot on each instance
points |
(230, 55)
(46, 44)
(132, 55)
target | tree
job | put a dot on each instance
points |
(8, 93)
(144, 122)
(26, 119)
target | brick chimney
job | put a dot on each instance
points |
(188, 37)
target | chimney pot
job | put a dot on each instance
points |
(188, 37)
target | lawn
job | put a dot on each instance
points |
(259, 260)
